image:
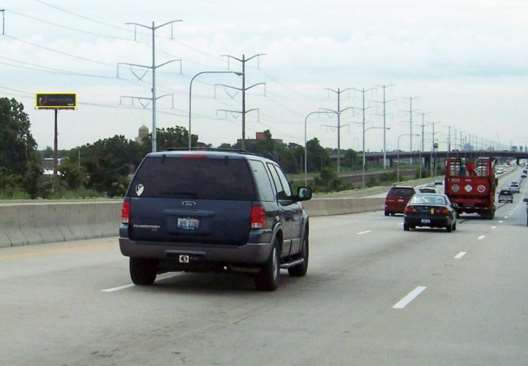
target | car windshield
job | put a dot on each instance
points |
(428, 200)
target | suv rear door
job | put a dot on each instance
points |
(192, 198)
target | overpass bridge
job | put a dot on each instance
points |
(442, 155)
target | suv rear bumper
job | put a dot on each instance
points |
(250, 253)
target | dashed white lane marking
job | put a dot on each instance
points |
(505, 217)
(161, 277)
(481, 237)
(409, 297)
(118, 288)
(493, 227)
(460, 255)
(500, 221)
(364, 232)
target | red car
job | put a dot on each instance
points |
(397, 199)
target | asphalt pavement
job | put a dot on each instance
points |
(374, 295)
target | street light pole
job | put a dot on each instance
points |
(305, 144)
(3, 21)
(190, 97)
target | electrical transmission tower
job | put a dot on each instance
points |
(384, 103)
(339, 126)
(152, 68)
(243, 90)
(411, 113)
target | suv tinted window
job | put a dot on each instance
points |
(404, 192)
(275, 178)
(194, 177)
(262, 179)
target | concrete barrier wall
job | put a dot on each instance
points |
(343, 206)
(37, 223)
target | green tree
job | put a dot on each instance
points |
(171, 138)
(72, 176)
(318, 156)
(109, 162)
(17, 146)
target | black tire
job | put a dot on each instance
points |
(268, 277)
(387, 213)
(405, 227)
(454, 227)
(301, 269)
(143, 271)
(449, 228)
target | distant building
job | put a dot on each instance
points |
(143, 132)
(259, 136)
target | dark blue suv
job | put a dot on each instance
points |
(213, 211)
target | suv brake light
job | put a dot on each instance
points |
(409, 210)
(258, 217)
(125, 211)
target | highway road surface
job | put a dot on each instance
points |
(374, 295)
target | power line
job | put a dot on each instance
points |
(60, 52)
(66, 27)
(90, 19)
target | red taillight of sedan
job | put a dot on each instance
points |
(442, 211)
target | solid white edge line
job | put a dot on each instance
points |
(460, 255)
(481, 237)
(409, 297)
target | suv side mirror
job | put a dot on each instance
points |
(304, 194)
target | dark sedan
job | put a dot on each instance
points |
(429, 210)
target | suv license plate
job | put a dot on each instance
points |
(183, 258)
(426, 221)
(188, 224)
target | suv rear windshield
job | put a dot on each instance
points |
(194, 177)
(403, 192)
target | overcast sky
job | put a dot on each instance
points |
(464, 60)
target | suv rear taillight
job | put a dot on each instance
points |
(125, 211)
(409, 210)
(258, 217)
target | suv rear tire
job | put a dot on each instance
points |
(143, 271)
(268, 277)
(301, 269)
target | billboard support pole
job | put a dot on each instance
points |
(55, 147)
